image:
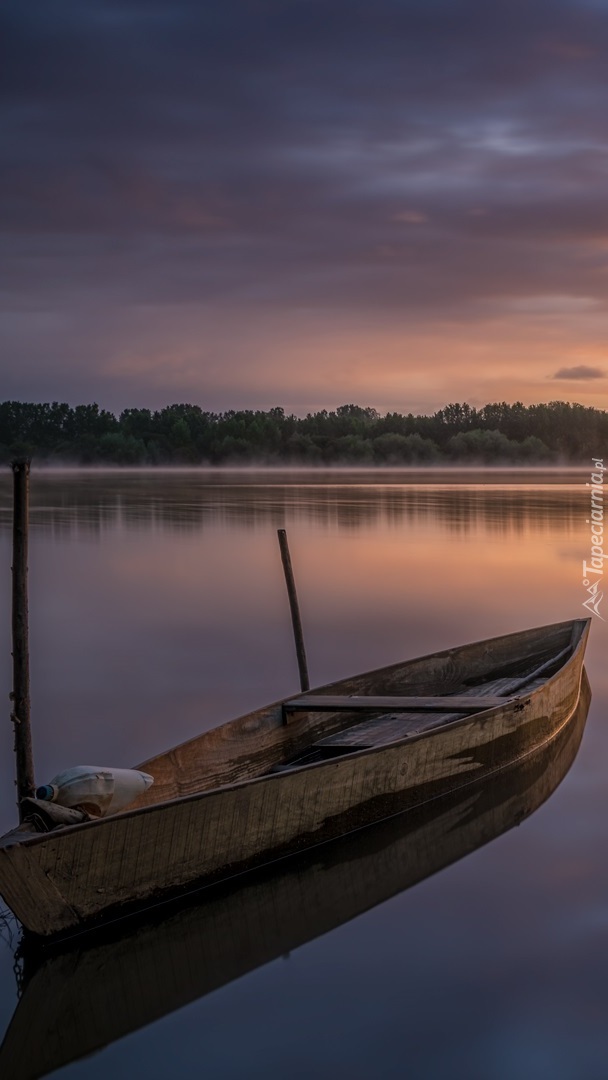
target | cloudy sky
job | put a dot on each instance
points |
(304, 202)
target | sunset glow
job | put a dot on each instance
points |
(304, 204)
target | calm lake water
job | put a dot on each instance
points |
(158, 609)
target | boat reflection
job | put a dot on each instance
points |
(95, 991)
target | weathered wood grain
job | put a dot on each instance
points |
(237, 816)
(294, 607)
(381, 730)
(20, 696)
(79, 1000)
(252, 744)
(376, 702)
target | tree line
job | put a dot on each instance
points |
(350, 435)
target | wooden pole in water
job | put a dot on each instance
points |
(295, 610)
(21, 658)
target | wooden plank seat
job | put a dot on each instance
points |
(403, 715)
(398, 721)
(374, 703)
(380, 730)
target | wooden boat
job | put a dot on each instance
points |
(299, 772)
(83, 995)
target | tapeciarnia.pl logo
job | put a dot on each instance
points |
(593, 571)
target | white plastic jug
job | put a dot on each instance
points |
(97, 790)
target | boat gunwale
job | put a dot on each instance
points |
(584, 623)
(95, 928)
(514, 703)
(132, 910)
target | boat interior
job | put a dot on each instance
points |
(371, 721)
(368, 710)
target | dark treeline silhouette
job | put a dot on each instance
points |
(352, 435)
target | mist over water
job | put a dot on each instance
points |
(158, 609)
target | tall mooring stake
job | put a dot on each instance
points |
(295, 610)
(20, 696)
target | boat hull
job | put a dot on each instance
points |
(61, 881)
(92, 991)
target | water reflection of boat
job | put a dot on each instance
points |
(86, 996)
(299, 772)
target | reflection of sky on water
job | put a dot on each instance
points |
(143, 633)
(191, 499)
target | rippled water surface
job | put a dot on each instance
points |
(158, 609)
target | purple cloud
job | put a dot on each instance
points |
(581, 371)
(407, 161)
